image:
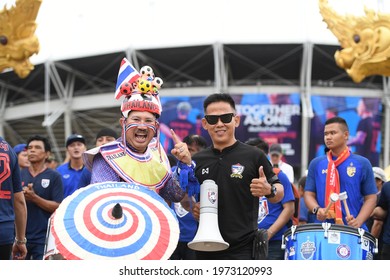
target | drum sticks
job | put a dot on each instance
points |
(343, 197)
(333, 198)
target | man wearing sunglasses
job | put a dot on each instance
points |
(243, 174)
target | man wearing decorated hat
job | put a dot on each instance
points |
(137, 156)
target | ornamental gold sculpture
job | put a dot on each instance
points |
(365, 41)
(17, 36)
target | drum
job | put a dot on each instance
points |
(51, 252)
(328, 242)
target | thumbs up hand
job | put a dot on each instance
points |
(260, 186)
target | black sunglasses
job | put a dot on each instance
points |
(213, 119)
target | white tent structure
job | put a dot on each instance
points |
(198, 47)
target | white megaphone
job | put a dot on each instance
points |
(208, 237)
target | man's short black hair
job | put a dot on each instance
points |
(338, 120)
(45, 141)
(219, 97)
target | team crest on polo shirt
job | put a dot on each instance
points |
(237, 170)
(351, 170)
(45, 183)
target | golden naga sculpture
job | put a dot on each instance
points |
(17, 39)
(365, 41)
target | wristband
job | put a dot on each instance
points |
(273, 192)
(181, 165)
(20, 242)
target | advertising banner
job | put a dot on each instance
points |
(363, 116)
(274, 117)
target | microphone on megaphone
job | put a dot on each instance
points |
(208, 237)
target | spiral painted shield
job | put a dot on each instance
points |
(115, 220)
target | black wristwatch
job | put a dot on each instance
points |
(315, 210)
(274, 190)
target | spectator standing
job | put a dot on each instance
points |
(13, 211)
(21, 152)
(43, 191)
(104, 136)
(377, 226)
(305, 216)
(243, 174)
(71, 170)
(381, 216)
(187, 223)
(276, 154)
(380, 179)
(275, 217)
(340, 171)
(52, 162)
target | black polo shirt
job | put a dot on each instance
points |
(233, 170)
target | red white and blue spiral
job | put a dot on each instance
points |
(84, 227)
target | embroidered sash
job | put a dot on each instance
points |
(143, 169)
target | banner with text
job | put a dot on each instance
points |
(274, 117)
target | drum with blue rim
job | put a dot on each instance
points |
(328, 242)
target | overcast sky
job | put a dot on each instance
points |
(75, 28)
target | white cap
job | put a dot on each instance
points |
(379, 173)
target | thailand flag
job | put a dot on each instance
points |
(127, 74)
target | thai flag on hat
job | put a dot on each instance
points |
(127, 74)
